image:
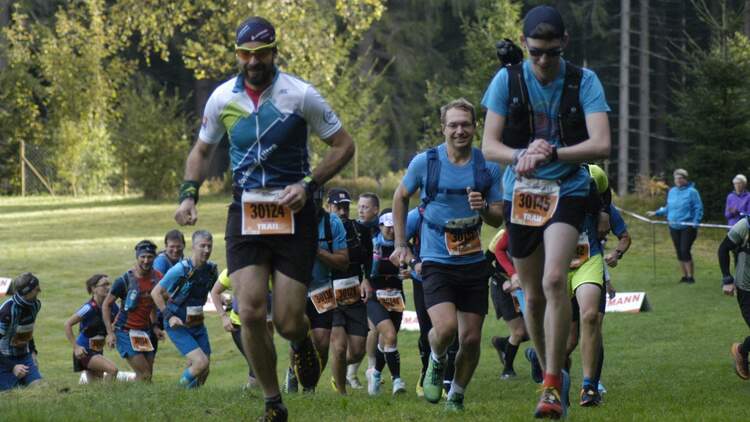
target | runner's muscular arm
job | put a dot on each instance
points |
(338, 260)
(596, 147)
(196, 168)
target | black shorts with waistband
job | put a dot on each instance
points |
(523, 240)
(466, 286)
(292, 255)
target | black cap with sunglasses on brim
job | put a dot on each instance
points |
(544, 15)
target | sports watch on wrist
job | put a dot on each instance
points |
(310, 185)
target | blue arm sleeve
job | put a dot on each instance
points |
(661, 212)
(374, 259)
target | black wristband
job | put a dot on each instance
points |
(727, 279)
(619, 253)
(189, 189)
(553, 156)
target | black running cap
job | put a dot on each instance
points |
(540, 15)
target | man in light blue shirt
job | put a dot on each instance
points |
(459, 191)
(544, 117)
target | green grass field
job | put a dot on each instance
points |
(672, 363)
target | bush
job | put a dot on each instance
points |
(152, 139)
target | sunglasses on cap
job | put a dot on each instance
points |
(550, 52)
(247, 52)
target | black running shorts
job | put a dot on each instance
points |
(292, 255)
(523, 240)
(465, 286)
(353, 318)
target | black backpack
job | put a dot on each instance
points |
(519, 125)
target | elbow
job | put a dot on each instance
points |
(604, 147)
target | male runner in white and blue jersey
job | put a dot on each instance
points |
(545, 116)
(271, 228)
(459, 191)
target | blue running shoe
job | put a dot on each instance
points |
(565, 393)
(536, 369)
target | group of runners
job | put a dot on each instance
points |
(300, 266)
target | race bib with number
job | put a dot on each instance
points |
(462, 236)
(23, 335)
(140, 341)
(323, 299)
(346, 290)
(583, 250)
(96, 343)
(391, 299)
(194, 316)
(534, 201)
(261, 215)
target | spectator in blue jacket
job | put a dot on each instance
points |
(684, 211)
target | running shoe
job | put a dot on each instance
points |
(550, 406)
(291, 385)
(419, 388)
(536, 369)
(275, 413)
(508, 374)
(500, 343)
(455, 403)
(354, 383)
(399, 386)
(589, 396)
(306, 364)
(373, 382)
(740, 362)
(433, 381)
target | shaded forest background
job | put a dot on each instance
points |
(107, 95)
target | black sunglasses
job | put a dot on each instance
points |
(550, 52)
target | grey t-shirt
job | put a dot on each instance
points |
(739, 235)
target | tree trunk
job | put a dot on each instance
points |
(624, 100)
(644, 96)
(4, 22)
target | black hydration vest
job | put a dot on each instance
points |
(519, 125)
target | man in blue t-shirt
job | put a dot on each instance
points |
(332, 254)
(174, 245)
(268, 116)
(461, 193)
(180, 296)
(543, 127)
